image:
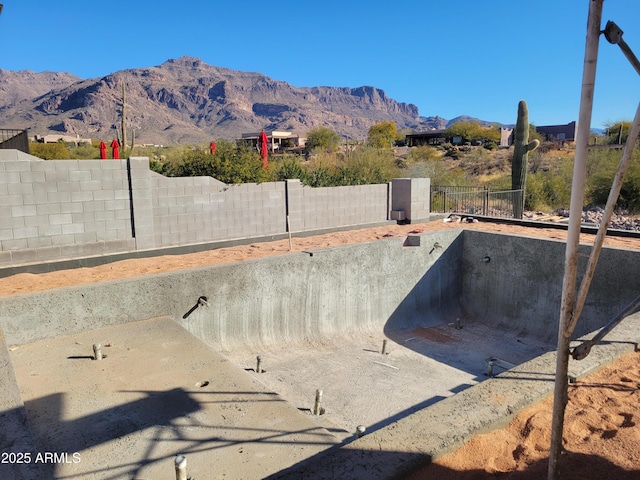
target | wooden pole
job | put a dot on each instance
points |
(573, 236)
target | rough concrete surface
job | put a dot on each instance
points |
(128, 415)
(362, 386)
(415, 440)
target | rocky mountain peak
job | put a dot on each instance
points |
(186, 100)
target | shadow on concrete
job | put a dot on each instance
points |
(431, 321)
(169, 410)
(157, 408)
(340, 464)
(405, 413)
(16, 441)
(435, 298)
(54, 434)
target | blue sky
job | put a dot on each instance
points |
(450, 58)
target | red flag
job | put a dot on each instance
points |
(103, 150)
(263, 150)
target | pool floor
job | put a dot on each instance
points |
(362, 386)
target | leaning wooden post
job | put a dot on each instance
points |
(573, 236)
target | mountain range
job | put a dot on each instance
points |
(185, 100)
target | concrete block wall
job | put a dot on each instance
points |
(62, 208)
(318, 208)
(413, 196)
(202, 209)
(67, 209)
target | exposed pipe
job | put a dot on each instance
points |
(97, 352)
(316, 407)
(202, 301)
(490, 368)
(180, 463)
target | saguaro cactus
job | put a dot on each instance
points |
(521, 148)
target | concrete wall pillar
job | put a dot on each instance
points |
(293, 194)
(411, 196)
(142, 220)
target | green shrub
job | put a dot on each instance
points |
(155, 165)
(423, 153)
(290, 168)
(601, 167)
(323, 139)
(230, 164)
(49, 151)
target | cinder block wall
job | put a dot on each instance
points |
(63, 208)
(413, 197)
(202, 209)
(317, 208)
(66, 209)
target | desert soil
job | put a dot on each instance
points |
(600, 436)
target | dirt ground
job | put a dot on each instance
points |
(601, 436)
(26, 282)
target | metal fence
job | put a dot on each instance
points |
(14, 139)
(474, 201)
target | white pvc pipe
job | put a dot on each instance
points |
(316, 407)
(97, 352)
(181, 467)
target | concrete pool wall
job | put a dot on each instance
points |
(277, 299)
(390, 284)
(520, 288)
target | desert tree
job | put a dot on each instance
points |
(323, 139)
(382, 134)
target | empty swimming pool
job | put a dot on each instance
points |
(450, 305)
